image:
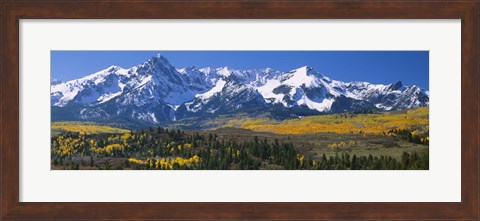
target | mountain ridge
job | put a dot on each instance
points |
(157, 92)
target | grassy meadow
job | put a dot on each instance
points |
(340, 123)
(58, 128)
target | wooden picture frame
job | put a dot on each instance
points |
(12, 11)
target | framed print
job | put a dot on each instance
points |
(239, 110)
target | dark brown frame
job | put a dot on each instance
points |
(13, 10)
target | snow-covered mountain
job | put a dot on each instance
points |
(157, 92)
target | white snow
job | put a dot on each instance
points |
(218, 88)
(145, 116)
(225, 71)
(106, 97)
(174, 107)
(325, 105)
(267, 92)
(152, 117)
(70, 89)
(300, 77)
(381, 106)
(294, 79)
(182, 71)
(188, 104)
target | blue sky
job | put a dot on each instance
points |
(410, 67)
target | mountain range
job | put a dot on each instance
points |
(156, 92)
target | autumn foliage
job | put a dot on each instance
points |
(77, 145)
(341, 123)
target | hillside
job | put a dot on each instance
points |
(84, 127)
(416, 119)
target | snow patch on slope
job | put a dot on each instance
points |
(218, 88)
(325, 105)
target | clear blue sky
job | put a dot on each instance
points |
(410, 67)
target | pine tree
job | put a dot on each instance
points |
(91, 161)
(354, 163)
(405, 160)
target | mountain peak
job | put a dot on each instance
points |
(158, 59)
(158, 56)
(304, 68)
(308, 70)
(301, 70)
(113, 68)
(396, 86)
(224, 71)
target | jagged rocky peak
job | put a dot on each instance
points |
(159, 60)
(396, 86)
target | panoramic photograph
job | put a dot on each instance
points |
(239, 110)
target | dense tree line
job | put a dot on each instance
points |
(413, 136)
(159, 148)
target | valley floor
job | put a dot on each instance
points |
(387, 141)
